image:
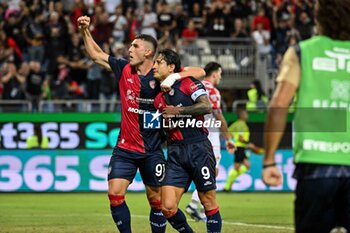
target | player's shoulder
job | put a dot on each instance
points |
(113, 61)
(208, 84)
(190, 84)
(188, 79)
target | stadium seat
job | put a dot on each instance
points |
(204, 45)
(206, 58)
(193, 60)
(228, 62)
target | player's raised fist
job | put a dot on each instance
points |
(83, 22)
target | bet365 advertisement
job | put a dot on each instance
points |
(86, 170)
(80, 146)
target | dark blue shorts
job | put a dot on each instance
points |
(191, 162)
(124, 164)
(322, 204)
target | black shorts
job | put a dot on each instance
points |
(124, 164)
(191, 162)
(240, 155)
(322, 204)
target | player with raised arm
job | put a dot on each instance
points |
(212, 78)
(190, 153)
(136, 148)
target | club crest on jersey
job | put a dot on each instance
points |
(130, 96)
(172, 92)
(152, 84)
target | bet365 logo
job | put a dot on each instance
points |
(151, 120)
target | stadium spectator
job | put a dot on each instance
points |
(132, 21)
(110, 5)
(198, 16)
(262, 19)
(212, 19)
(120, 24)
(261, 38)
(148, 20)
(37, 140)
(34, 33)
(256, 97)
(190, 153)
(108, 87)
(103, 29)
(321, 152)
(137, 147)
(166, 21)
(189, 34)
(212, 79)
(13, 81)
(305, 27)
(181, 18)
(34, 84)
(239, 30)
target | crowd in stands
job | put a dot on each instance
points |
(42, 55)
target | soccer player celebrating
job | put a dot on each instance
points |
(317, 70)
(212, 78)
(190, 153)
(136, 148)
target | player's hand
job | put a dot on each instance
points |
(230, 146)
(170, 111)
(83, 22)
(169, 82)
(272, 176)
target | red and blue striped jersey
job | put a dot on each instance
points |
(137, 95)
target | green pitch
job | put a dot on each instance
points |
(89, 212)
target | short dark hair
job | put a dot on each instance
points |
(211, 67)
(240, 110)
(171, 57)
(333, 17)
(149, 39)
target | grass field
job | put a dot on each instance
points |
(89, 212)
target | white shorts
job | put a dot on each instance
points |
(214, 138)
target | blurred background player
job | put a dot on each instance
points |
(315, 69)
(190, 153)
(37, 140)
(213, 77)
(137, 147)
(241, 135)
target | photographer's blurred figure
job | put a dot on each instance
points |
(37, 140)
(318, 70)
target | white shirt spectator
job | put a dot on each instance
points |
(110, 5)
(262, 39)
(119, 24)
(149, 19)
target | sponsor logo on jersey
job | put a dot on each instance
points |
(152, 84)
